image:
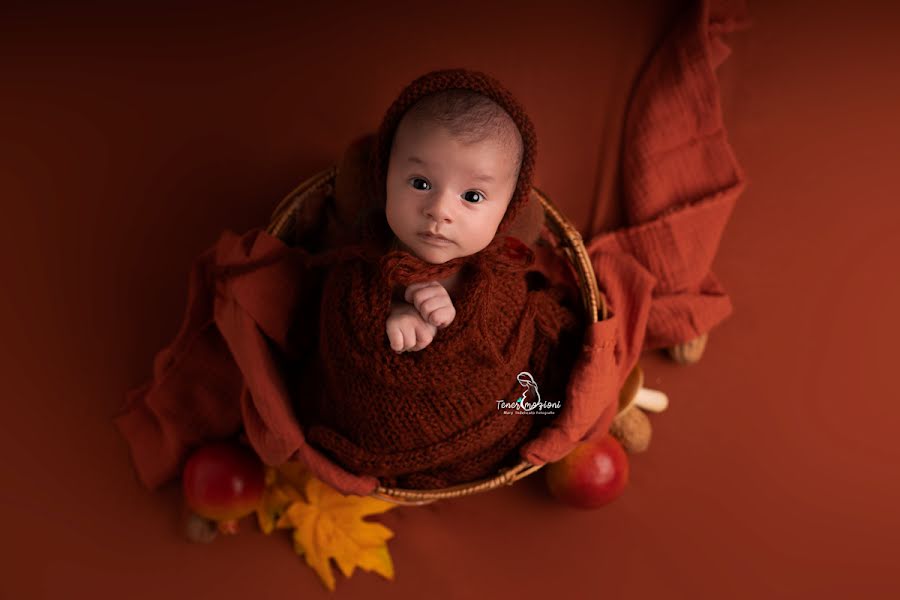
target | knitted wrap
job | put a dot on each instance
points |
(430, 418)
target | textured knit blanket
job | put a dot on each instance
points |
(431, 418)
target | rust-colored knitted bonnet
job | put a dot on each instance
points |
(431, 83)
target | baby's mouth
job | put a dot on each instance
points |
(436, 240)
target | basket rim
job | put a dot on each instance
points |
(568, 241)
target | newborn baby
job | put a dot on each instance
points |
(449, 181)
(428, 325)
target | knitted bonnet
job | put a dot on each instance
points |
(431, 83)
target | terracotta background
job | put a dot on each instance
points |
(130, 137)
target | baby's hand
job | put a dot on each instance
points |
(433, 303)
(406, 330)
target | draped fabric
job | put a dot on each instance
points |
(253, 305)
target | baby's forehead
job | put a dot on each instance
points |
(504, 136)
(448, 137)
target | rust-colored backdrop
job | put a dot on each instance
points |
(130, 136)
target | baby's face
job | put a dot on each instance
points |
(438, 184)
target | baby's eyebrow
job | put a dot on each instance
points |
(485, 178)
(476, 176)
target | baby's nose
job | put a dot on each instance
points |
(440, 207)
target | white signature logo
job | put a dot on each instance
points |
(530, 400)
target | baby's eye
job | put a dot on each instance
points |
(418, 180)
(477, 199)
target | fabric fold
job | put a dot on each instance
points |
(610, 349)
(680, 176)
(192, 396)
(680, 180)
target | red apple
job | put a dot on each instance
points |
(224, 482)
(593, 474)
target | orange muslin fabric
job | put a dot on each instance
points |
(226, 368)
(680, 183)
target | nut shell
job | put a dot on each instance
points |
(632, 429)
(199, 529)
(689, 352)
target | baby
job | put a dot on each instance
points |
(452, 172)
(427, 324)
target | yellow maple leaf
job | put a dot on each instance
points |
(283, 487)
(330, 525)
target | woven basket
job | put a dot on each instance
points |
(565, 239)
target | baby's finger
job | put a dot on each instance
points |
(395, 336)
(432, 304)
(418, 292)
(423, 338)
(409, 338)
(436, 303)
(427, 300)
(411, 289)
(442, 316)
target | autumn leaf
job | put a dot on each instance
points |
(330, 525)
(283, 487)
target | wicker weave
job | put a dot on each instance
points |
(565, 239)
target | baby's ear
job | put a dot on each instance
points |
(350, 197)
(528, 223)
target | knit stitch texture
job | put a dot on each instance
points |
(430, 418)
